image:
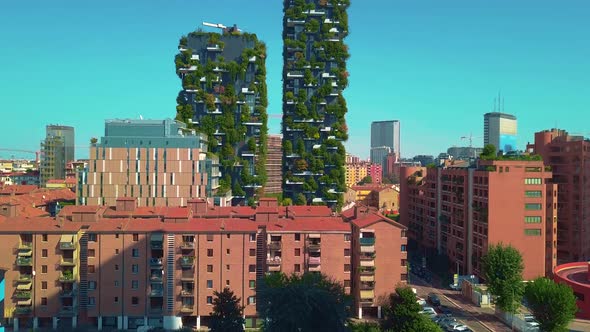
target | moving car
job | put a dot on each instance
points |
(434, 300)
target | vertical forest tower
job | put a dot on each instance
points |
(224, 96)
(314, 76)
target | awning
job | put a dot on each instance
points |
(67, 238)
(314, 236)
(25, 302)
(27, 253)
(24, 286)
(157, 237)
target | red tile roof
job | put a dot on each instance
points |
(267, 209)
(177, 212)
(309, 211)
(18, 189)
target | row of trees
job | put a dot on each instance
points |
(552, 304)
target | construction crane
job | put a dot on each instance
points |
(470, 138)
(222, 27)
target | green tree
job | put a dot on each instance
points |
(488, 153)
(403, 313)
(227, 315)
(300, 199)
(366, 179)
(554, 305)
(302, 303)
(365, 327)
(502, 269)
(287, 201)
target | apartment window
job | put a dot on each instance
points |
(227, 267)
(533, 181)
(532, 219)
(116, 236)
(44, 237)
(347, 237)
(209, 283)
(346, 252)
(297, 251)
(91, 301)
(297, 268)
(43, 301)
(116, 267)
(252, 284)
(134, 300)
(346, 267)
(533, 193)
(209, 299)
(135, 268)
(116, 283)
(532, 232)
(297, 237)
(227, 283)
(43, 268)
(116, 299)
(403, 247)
(135, 253)
(135, 237)
(346, 283)
(210, 237)
(134, 284)
(90, 268)
(228, 236)
(252, 252)
(227, 251)
(209, 252)
(91, 253)
(209, 268)
(44, 253)
(253, 237)
(532, 206)
(43, 284)
(251, 300)
(92, 285)
(91, 237)
(252, 268)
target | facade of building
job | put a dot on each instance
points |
(375, 171)
(157, 161)
(384, 198)
(500, 130)
(127, 266)
(386, 133)
(56, 151)
(424, 160)
(577, 276)
(224, 97)
(569, 159)
(314, 109)
(379, 155)
(274, 164)
(352, 159)
(355, 173)
(20, 178)
(460, 211)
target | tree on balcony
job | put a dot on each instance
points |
(403, 313)
(227, 312)
(308, 302)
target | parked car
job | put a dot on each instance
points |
(456, 327)
(429, 311)
(421, 301)
(531, 321)
(444, 310)
(444, 322)
(434, 300)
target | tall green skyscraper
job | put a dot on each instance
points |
(224, 96)
(314, 76)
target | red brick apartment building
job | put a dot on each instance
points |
(128, 266)
(460, 211)
(569, 159)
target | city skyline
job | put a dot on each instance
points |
(85, 71)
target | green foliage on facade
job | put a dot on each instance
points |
(226, 99)
(314, 109)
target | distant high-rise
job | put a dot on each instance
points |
(56, 150)
(314, 125)
(500, 130)
(379, 155)
(274, 165)
(224, 96)
(386, 133)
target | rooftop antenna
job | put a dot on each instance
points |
(222, 27)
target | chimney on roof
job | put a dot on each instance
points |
(355, 212)
(9, 210)
(198, 206)
(126, 204)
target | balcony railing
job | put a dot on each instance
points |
(25, 278)
(67, 310)
(156, 245)
(366, 270)
(66, 293)
(273, 261)
(274, 268)
(367, 257)
(157, 292)
(187, 292)
(186, 308)
(66, 278)
(187, 261)
(67, 246)
(25, 245)
(367, 241)
(275, 245)
(68, 261)
(314, 260)
(24, 261)
(23, 294)
(22, 310)
(367, 249)
(313, 246)
(367, 285)
(315, 268)
(187, 245)
(367, 263)
(155, 262)
(156, 277)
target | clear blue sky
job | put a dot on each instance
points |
(435, 65)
